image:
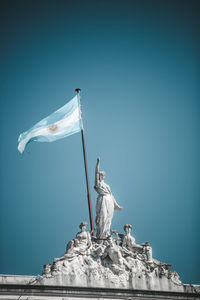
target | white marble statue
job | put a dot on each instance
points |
(129, 243)
(78, 246)
(81, 243)
(128, 240)
(105, 205)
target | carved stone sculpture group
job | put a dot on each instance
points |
(116, 261)
(109, 259)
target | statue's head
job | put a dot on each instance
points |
(127, 228)
(102, 175)
(83, 226)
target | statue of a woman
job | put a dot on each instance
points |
(79, 246)
(105, 205)
(81, 243)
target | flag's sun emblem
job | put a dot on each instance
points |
(53, 127)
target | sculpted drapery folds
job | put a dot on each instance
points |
(105, 205)
(78, 246)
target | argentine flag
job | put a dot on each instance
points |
(62, 123)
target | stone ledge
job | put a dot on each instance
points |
(12, 291)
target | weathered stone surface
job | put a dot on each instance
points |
(17, 279)
(37, 292)
(112, 262)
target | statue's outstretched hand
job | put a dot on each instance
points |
(98, 160)
(119, 208)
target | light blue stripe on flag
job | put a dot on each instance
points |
(63, 122)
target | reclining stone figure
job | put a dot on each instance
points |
(129, 243)
(78, 246)
(114, 253)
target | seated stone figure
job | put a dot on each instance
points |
(82, 241)
(78, 246)
(129, 243)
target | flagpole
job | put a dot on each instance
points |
(86, 173)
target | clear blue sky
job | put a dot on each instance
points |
(137, 63)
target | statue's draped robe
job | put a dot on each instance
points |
(104, 209)
(78, 246)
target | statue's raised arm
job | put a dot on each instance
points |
(97, 173)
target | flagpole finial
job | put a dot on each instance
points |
(77, 90)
